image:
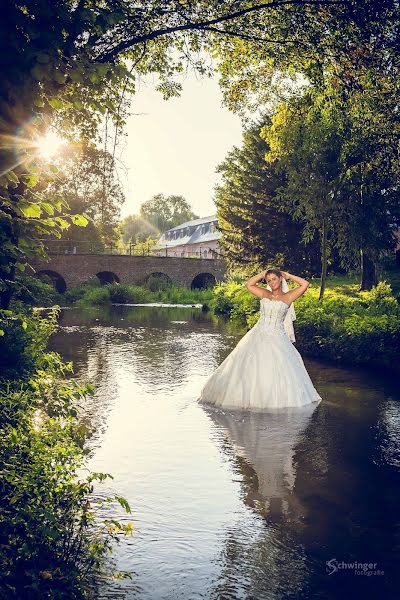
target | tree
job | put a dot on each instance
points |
(70, 62)
(137, 229)
(87, 180)
(165, 212)
(370, 184)
(255, 230)
(353, 43)
(305, 144)
(341, 177)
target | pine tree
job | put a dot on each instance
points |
(255, 230)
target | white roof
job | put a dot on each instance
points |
(196, 237)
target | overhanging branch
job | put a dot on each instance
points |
(203, 25)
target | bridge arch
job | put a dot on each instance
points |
(157, 280)
(203, 281)
(107, 277)
(57, 280)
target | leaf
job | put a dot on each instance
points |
(24, 324)
(56, 103)
(11, 176)
(124, 503)
(62, 223)
(79, 220)
(38, 72)
(38, 102)
(1, 332)
(42, 57)
(30, 180)
(30, 210)
(47, 208)
(59, 77)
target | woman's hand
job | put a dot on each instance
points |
(285, 274)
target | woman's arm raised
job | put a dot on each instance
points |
(253, 288)
(299, 291)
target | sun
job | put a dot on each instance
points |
(49, 145)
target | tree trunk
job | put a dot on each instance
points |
(368, 272)
(324, 258)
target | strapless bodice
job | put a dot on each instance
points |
(272, 315)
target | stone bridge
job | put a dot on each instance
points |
(71, 270)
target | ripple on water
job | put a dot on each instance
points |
(228, 505)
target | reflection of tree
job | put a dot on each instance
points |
(152, 348)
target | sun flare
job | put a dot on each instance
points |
(49, 145)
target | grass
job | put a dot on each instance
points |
(130, 294)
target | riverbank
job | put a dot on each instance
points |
(53, 544)
(349, 327)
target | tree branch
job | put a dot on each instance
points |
(251, 38)
(204, 24)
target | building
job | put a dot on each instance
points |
(198, 238)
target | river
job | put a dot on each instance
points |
(273, 506)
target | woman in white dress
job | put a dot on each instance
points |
(265, 371)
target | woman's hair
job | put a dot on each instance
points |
(273, 270)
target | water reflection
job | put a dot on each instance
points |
(232, 504)
(263, 448)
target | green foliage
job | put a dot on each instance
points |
(87, 180)
(134, 294)
(75, 294)
(137, 229)
(256, 231)
(165, 212)
(125, 294)
(176, 295)
(95, 296)
(24, 340)
(35, 291)
(157, 283)
(348, 326)
(53, 543)
(233, 299)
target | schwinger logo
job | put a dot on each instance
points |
(358, 568)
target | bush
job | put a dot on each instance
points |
(157, 283)
(234, 300)
(128, 294)
(95, 296)
(50, 546)
(52, 543)
(75, 294)
(358, 328)
(132, 294)
(35, 292)
(23, 340)
(177, 295)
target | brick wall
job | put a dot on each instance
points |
(75, 269)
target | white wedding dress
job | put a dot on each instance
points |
(264, 370)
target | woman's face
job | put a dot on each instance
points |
(274, 281)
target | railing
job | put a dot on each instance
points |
(93, 247)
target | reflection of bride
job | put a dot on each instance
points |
(265, 370)
(267, 442)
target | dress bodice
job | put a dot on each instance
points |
(272, 315)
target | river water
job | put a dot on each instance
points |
(235, 505)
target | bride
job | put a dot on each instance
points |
(265, 370)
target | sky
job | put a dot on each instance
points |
(174, 146)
